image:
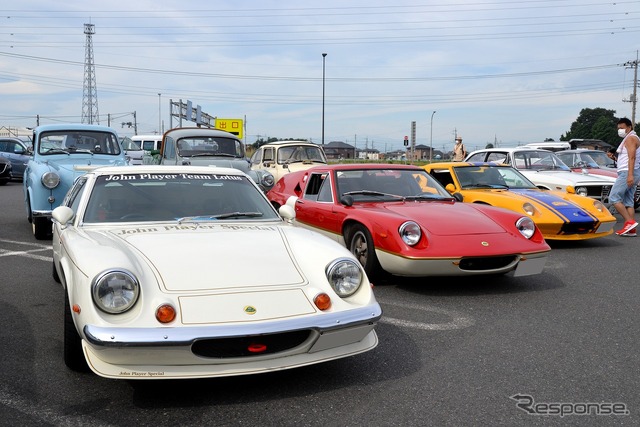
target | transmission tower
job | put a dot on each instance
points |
(89, 90)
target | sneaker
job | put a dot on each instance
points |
(630, 234)
(628, 226)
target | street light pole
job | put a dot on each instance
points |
(159, 114)
(431, 139)
(324, 55)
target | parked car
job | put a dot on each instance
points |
(559, 215)
(17, 152)
(282, 157)
(187, 272)
(587, 158)
(585, 161)
(5, 171)
(132, 150)
(204, 146)
(545, 169)
(152, 142)
(400, 219)
(61, 153)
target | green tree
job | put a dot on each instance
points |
(594, 123)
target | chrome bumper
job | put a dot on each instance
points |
(114, 337)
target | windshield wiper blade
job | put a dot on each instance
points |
(426, 197)
(211, 154)
(219, 216)
(371, 193)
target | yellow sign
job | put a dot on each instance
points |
(233, 126)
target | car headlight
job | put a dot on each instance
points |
(581, 191)
(267, 180)
(529, 209)
(50, 180)
(599, 206)
(526, 227)
(115, 291)
(344, 276)
(410, 233)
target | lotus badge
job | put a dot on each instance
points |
(249, 309)
(484, 243)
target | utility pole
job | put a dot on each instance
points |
(634, 96)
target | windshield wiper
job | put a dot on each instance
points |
(57, 150)
(486, 186)
(212, 154)
(427, 197)
(371, 193)
(220, 216)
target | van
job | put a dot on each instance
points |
(551, 146)
(148, 142)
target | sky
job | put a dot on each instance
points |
(505, 72)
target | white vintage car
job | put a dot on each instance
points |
(547, 171)
(187, 272)
(282, 157)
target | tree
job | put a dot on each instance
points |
(489, 145)
(594, 123)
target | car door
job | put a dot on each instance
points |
(316, 207)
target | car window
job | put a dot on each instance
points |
(314, 184)
(478, 157)
(74, 195)
(325, 194)
(497, 158)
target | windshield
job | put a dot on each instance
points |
(471, 177)
(538, 160)
(130, 145)
(301, 153)
(209, 146)
(140, 197)
(601, 159)
(389, 185)
(78, 141)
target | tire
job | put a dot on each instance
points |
(54, 273)
(361, 246)
(73, 354)
(42, 228)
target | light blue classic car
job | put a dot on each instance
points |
(61, 153)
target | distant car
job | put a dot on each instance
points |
(282, 157)
(61, 153)
(5, 171)
(17, 152)
(132, 150)
(594, 162)
(559, 215)
(189, 272)
(400, 219)
(545, 169)
(203, 147)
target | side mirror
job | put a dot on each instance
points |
(458, 197)
(347, 200)
(62, 215)
(450, 188)
(287, 212)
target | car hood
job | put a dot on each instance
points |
(442, 218)
(66, 165)
(223, 162)
(566, 177)
(210, 256)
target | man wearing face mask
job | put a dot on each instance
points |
(621, 195)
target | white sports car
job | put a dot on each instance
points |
(187, 272)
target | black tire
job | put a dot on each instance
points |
(42, 228)
(360, 243)
(4, 182)
(73, 354)
(54, 273)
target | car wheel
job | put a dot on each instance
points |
(54, 273)
(42, 229)
(3, 182)
(73, 355)
(361, 245)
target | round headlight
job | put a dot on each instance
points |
(50, 180)
(344, 276)
(526, 227)
(529, 209)
(267, 180)
(581, 191)
(599, 206)
(410, 233)
(116, 291)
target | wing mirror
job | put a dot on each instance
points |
(62, 215)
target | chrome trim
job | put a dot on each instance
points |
(114, 337)
(41, 213)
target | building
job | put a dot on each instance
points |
(338, 150)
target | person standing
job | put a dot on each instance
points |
(459, 153)
(622, 191)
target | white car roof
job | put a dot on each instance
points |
(166, 169)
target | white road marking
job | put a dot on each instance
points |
(31, 253)
(458, 320)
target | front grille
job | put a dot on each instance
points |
(599, 192)
(486, 263)
(578, 227)
(239, 346)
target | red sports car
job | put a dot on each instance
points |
(400, 219)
